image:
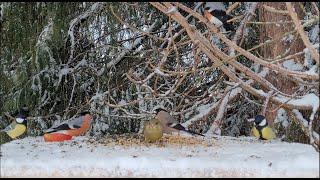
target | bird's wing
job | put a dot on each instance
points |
(177, 126)
(268, 133)
(182, 128)
(67, 125)
(76, 122)
(60, 127)
(167, 117)
(18, 130)
(255, 132)
(219, 18)
(221, 15)
(213, 19)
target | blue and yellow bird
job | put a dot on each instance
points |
(17, 128)
(261, 129)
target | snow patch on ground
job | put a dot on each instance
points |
(226, 157)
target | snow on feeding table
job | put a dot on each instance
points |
(171, 157)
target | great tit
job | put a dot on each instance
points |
(17, 128)
(261, 129)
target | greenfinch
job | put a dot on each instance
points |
(153, 130)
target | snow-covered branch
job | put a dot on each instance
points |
(307, 127)
(93, 9)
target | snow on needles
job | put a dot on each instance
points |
(225, 157)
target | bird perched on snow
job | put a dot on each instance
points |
(17, 128)
(73, 127)
(152, 130)
(170, 124)
(261, 129)
(217, 15)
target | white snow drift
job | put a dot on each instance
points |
(227, 157)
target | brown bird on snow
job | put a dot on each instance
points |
(170, 124)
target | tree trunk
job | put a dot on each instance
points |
(279, 48)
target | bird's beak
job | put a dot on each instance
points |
(250, 120)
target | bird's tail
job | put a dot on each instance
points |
(192, 132)
(182, 128)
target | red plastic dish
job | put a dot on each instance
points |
(56, 137)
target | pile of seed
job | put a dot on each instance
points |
(128, 140)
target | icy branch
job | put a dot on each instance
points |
(314, 136)
(203, 112)
(125, 52)
(93, 9)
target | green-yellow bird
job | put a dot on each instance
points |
(152, 130)
(261, 129)
(16, 129)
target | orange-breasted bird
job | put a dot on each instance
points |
(73, 127)
(218, 17)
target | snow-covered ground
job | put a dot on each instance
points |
(224, 157)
